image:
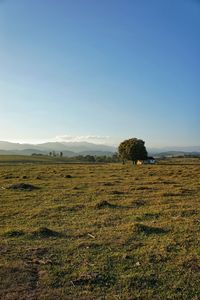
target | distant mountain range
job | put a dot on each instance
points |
(69, 149)
(84, 148)
(174, 151)
(176, 148)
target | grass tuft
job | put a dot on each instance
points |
(22, 187)
(44, 232)
(104, 204)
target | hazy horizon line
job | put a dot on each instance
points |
(111, 144)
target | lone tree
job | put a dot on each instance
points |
(132, 149)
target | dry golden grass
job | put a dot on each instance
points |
(107, 231)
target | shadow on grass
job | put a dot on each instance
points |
(103, 280)
(148, 216)
(148, 230)
(14, 233)
(138, 203)
(67, 176)
(105, 204)
(143, 281)
(117, 193)
(44, 232)
(22, 187)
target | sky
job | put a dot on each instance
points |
(100, 71)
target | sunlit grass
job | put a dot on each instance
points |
(107, 231)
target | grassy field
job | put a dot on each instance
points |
(110, 231)
(21, 159)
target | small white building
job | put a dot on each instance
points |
(149, 160)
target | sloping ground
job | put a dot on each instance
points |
(28, 159)
(104, 232)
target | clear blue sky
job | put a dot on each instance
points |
(117, 68)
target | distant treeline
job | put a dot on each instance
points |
(178, 156)
(84, 158)
(105, 158)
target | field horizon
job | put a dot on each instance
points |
(73, 149)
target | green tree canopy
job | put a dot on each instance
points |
(132, 149)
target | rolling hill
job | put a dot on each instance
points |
(70, 149)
